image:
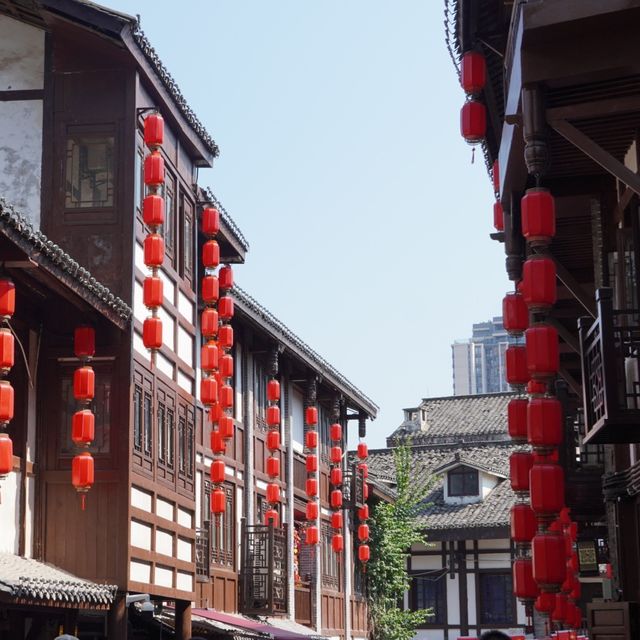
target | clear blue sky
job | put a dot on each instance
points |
(341, 161)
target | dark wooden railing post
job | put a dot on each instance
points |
(604, 302)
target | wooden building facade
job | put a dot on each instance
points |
(562, 99)
(77, 82)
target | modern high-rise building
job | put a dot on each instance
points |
(478, 363)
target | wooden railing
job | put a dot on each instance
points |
(610, 354)
(303, 605)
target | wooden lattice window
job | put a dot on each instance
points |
(331, 573)
(221, 530)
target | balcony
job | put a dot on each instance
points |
(610, 353)
(264, 570)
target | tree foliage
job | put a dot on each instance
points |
(394, 528)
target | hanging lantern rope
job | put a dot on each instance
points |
(312, 534)
(153, 216)
(7, 359)
(271, 517)
(83, 420)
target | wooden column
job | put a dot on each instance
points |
(183, 620)
(289, 493)
(462, 588)
(117, 619)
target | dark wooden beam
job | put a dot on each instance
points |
(595, 109)
(623, 203)
(573, 384)
(565, 334)
(597, 154)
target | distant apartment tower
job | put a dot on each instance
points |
(478, 363)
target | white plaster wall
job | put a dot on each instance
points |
(163, 576)
(185, 347)
(297, 419)
(453, 600)
(21, 154)
(494, 543)
(239, 503)
(424, 563)
(21, 55)
(163, 363)
(10, 512)
(487, 483)
(140, 571)
(471, 599)
(198, 498)
(164, 508)
(185, 307)
(630, 160)
(185, 382)
(185, 518)
(139, 310)
(140, 535)
(184, 581)
(164, 542)
(185, 550)
(141, 499)
(429, 634)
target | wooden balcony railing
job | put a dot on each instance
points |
(202, 554)
(610, 352)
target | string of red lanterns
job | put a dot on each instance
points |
(335, 479)
(83, 420)
(153, 216)
(473, 115)
(271, 517)
(362, 469)
(312, 534)
(7, 357)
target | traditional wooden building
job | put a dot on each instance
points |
(77, 82)
(562, 105)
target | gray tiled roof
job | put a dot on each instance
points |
(459, 418)
(493, 511)
(29, 579)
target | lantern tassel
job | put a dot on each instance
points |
(83, 497)
(473, 154)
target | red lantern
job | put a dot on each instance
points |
(543, 358)
(336, 476)
(211, 254)
(225, 336)
(473, 121)
(336, 499)
(273, 493)
(154, 169)
(335, 432)
(153, 130)
(273, 416)
(312, 463)
(536, 387)
(516, 365)
(576, 592)
(152, 333)
(153, 210)
(524, 586)
(312, 487)
(364, 554)
(153, 250)
(84, 384)
(226, 277)
(83, 427)
(209, 390)
(495, 176)
(209, 357)
(363, 468)
(273, 391)
(7, 350)
(560, 610)
(84, 342)
(271, 518)
(209, 323)
(152, 292)
(337, 521)
(567, 585)
(538, 216)
(547, 489)
(473, 72)
(311, 416)
(538, 285)
(517, 419)
(520, 464)
(225, 426)
(523, 523)
(226, 366)
(544, 423)
(515, 316)
(226, 396)
(545, 602)
(311, 535)
(217, 471)
(210, 221)
(273, 440)
(210, 289)
(217, 443)
(225, 308)
(273, 467)
(365, 491)
(7, 298)
(363, 512)
(6, 455)
(363, 450)
(311, 439)
(337, 543)
(218, 501)
(547, 552)
(498, 216)
(312, 510)
(82, 471)
(363, 532)
(335, 455)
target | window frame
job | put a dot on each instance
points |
(441, 612)
(509, 599)
(465, 491)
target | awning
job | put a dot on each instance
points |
(270, 631)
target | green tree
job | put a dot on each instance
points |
(394, 528)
